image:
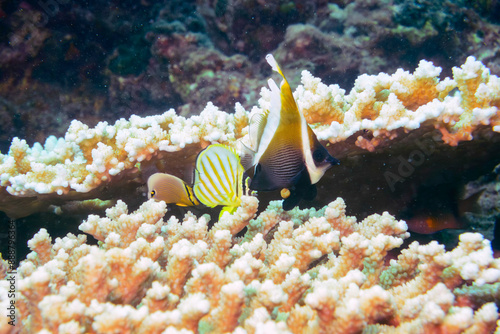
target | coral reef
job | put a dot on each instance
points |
(300, 271)
(84, 78)
(383, 115)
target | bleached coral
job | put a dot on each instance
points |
(87, 157)
(87, 160)
(300, 271)
(383, 102)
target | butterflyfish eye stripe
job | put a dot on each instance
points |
(189, 194)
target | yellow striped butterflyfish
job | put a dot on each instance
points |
(284, 150)
(218, 178)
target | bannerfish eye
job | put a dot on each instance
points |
(318, 155)
(153, 193)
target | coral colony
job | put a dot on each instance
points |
(271, 271)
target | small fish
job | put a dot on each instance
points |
(218, 178)
(429, 224)
(428, 217)
(283, 148)
(171, 189)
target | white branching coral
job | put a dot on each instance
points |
(319, 271)
(87, 157)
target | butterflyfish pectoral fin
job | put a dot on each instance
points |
(171, 189)
(230, 209)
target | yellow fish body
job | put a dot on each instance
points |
(284, 150)
(218, 178)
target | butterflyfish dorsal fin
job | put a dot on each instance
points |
(171, 189)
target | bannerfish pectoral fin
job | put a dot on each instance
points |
(292, 201)
(246, 156)
(303, 189)
(301, 178)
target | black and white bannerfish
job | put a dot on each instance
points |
(218, 180)
(284, 151)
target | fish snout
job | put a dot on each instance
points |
(332, 160)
